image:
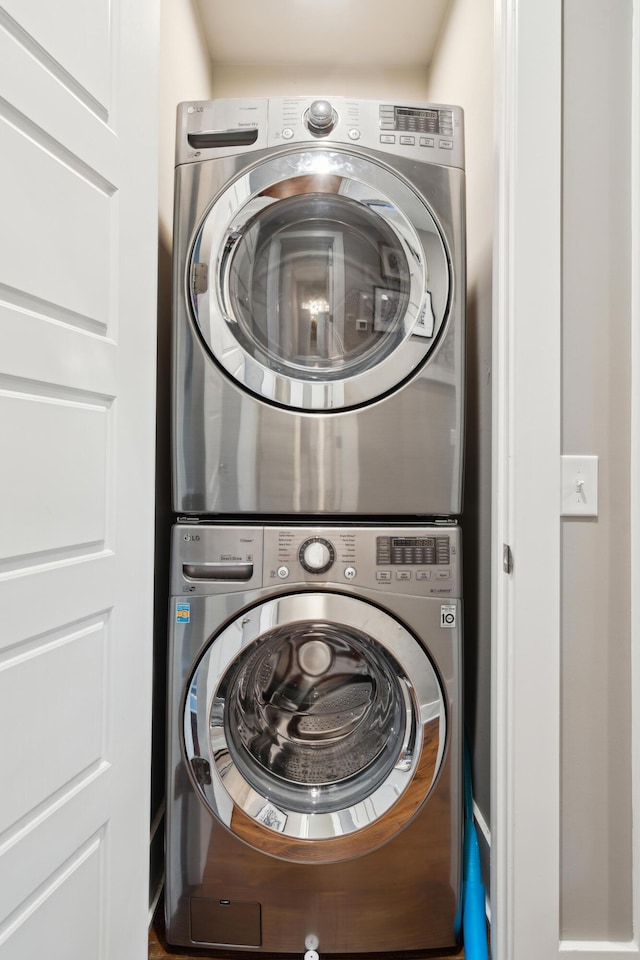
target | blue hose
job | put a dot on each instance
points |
(474, 924)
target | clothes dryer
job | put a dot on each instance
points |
(319, 296)
(314, 764)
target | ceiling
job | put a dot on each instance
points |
(355, 33)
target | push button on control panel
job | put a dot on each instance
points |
(401, 555)
(443, 553)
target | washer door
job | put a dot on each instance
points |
(314, 726)
(319, 280)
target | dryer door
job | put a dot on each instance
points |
(314, 726)
(319, 280)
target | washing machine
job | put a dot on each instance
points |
(314, 759)
(319, 302)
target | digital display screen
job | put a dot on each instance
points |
(413, 550)
(417, 120)
(412, 541)
(416, 112)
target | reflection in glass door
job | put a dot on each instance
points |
(305, 297)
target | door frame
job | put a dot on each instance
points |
(525, 887)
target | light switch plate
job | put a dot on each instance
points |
(579, 486)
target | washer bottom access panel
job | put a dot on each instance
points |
(314, 760)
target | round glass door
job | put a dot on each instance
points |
(308, 719)
(326, 280)
(315, 716)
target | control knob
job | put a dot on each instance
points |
(316, 555)
(321, 117)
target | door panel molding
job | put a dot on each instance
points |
(78, 131)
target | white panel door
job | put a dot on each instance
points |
(78, 195)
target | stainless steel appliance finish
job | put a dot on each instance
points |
(314, 763)
(319, 286)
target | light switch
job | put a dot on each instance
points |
(579, 486)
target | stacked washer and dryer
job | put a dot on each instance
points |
(314, 795)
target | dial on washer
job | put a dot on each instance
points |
(320, 118)
(316, 555)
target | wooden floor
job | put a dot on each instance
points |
(160, 950)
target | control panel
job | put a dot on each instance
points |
(208, 558)
(217, 128)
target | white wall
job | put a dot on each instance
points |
(596, 827)
(336, 79)
(462, 73)
(185, 74)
